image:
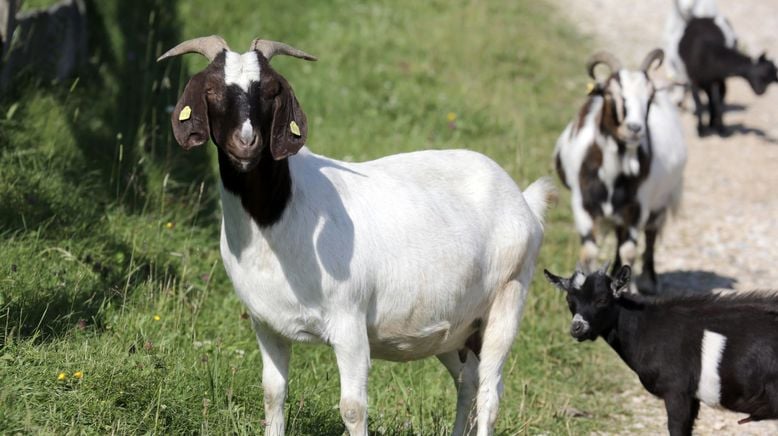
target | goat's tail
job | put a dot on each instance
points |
(539, 195)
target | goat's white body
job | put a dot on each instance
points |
(664, 184)
(419, 243)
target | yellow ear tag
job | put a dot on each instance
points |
(589, 87)
(185, 114)
(294, 128)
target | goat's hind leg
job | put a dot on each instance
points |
(465, 375)
(500, 330)
(698, 110)
(716, 105)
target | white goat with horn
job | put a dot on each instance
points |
(414, 255)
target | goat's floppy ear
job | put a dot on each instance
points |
(621, 280)
(558, 282)
(290, 127)
(190, 116)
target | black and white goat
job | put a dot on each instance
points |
(414, 255)
(709, 62)
(718, 349)
(623, 158)
(681, 12)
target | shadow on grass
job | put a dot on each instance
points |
(118, 120)
(60, 292)
(133, 142)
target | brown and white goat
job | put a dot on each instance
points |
(622, 158)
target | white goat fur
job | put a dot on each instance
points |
(395, 259)
(663, 186)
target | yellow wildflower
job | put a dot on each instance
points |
(451, 117)
(78, 375)
(61, 376)
(157, 317)
(169, 225)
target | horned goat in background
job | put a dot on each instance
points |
(414, 255)
(680, 14)
(622, 158)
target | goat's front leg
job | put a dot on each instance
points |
(352, 351)
(584, 224)
(627, 246)
(682, 410)
(275, 374)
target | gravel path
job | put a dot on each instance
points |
(726, 235)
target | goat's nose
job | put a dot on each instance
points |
(246, 136)
(634, 127)
(578, 328)
(245, 143)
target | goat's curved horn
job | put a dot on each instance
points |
(655, 54)
(208, 46)
(604, 268)
(602, 57)
(271, 48)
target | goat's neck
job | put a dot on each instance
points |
(264, 192)
(618, 158)
(732, 62)
(624, 332)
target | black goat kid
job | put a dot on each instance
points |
(709, 62)
(721, 350)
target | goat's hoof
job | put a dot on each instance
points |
(702, 131)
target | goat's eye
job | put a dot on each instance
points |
(601, 301)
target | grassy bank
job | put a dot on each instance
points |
(109, 265)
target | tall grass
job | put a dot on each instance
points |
(109, 259)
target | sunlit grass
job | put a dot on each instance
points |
(109, 258)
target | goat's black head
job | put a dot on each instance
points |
(592, 299)
(240, 102)
(627, 96)
(762, 73)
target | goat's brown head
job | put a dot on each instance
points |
(240, 102)
(627, 95)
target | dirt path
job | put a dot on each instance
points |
(726, 236)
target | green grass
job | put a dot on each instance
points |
(106, 224)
